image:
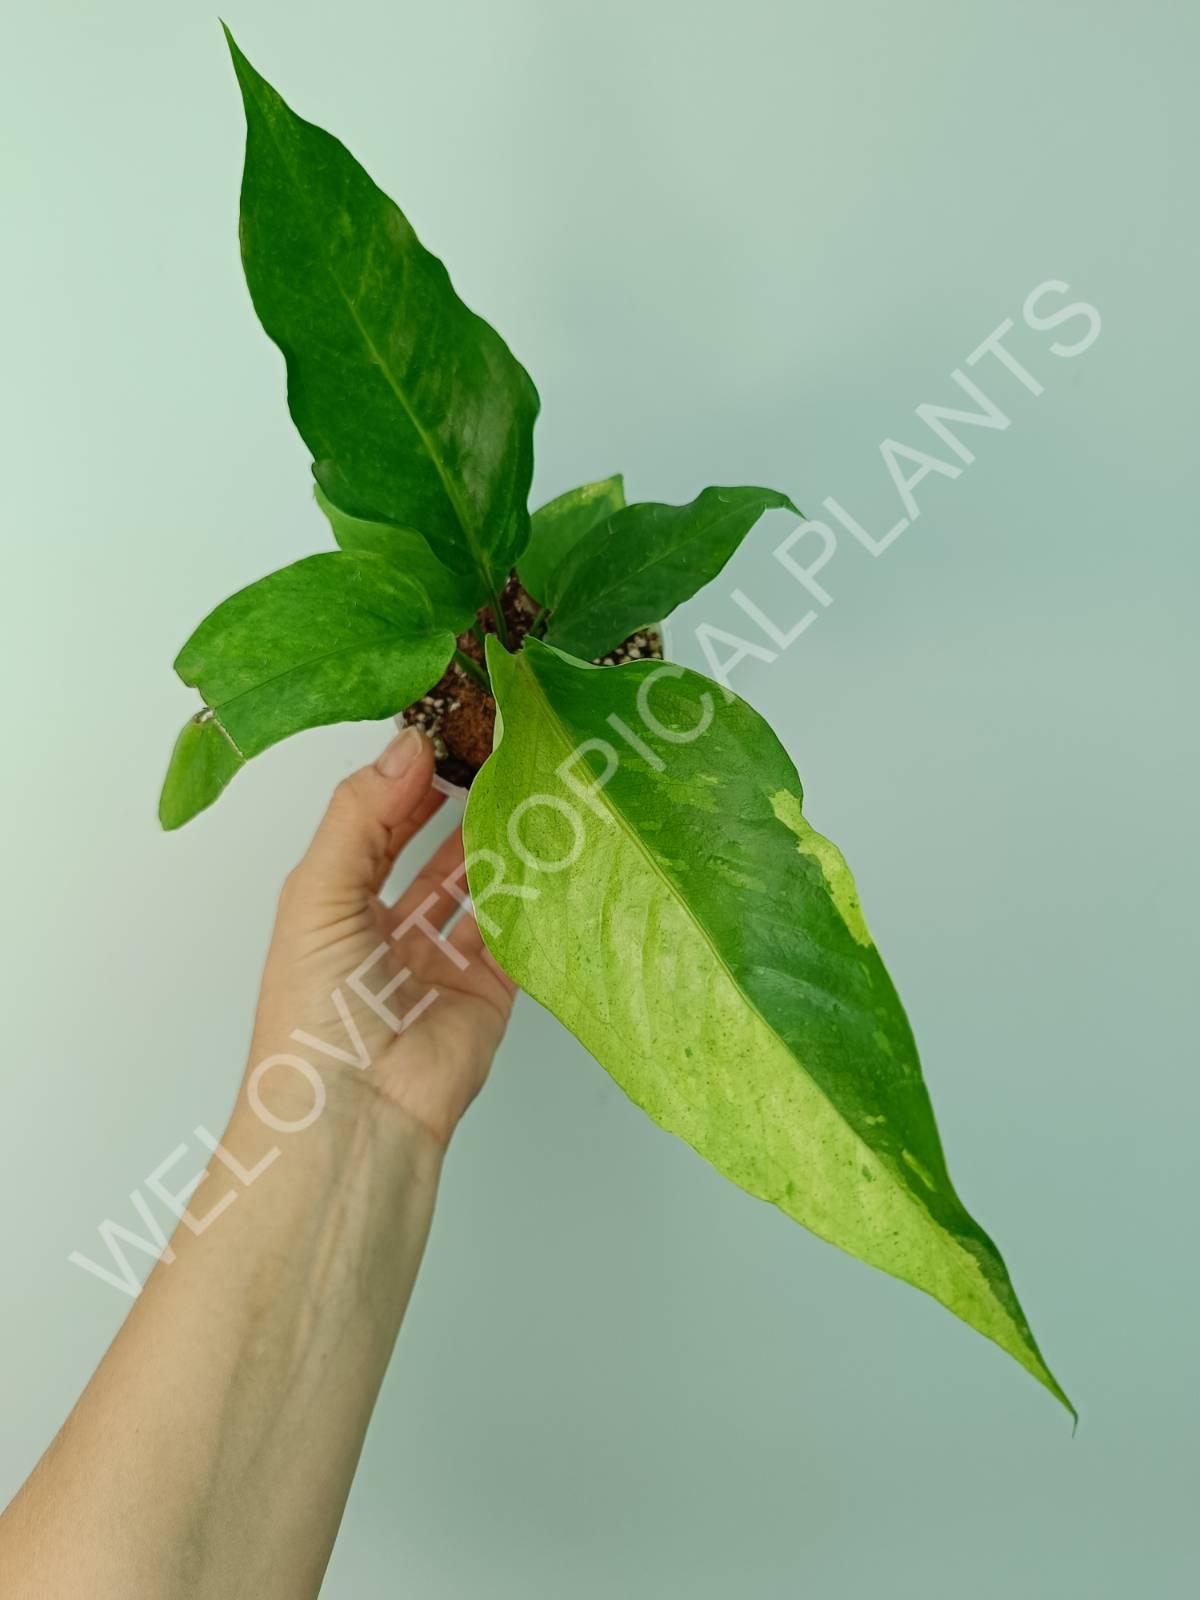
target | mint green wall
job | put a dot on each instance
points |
(736, 243)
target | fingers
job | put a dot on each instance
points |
(438, 890)
(372, 815)
(433, 897)
(412, 825)
(468, 941)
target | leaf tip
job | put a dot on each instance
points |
(202, 763)
(1061, 1396)
(246, 76)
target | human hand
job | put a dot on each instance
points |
(370, 994)
(231, 1408)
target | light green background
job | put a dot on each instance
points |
(735, 243)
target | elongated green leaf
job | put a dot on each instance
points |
(333, 638)
(641, 562)
(664, 895)
(557, 527)
(415, 410)
(454, 595)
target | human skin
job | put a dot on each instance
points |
(213, 1450)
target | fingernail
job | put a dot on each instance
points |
(400, 754)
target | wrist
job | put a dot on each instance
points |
(335, 1118)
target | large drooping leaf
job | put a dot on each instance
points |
(333, 638)
(557, 527)
(452, 594)
(415, 410)
(641, 562)
(641, 864)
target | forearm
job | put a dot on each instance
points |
(213, 1450)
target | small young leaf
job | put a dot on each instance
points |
(333, 638)
(455, 596)
(557, 528)
(641, 562)
(416, 412)
(666, 898)
(202, 763)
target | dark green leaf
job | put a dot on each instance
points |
(454, 595)
(665, 896)
(415, 411)
(640, 563)
(334, 638)
(557, 528)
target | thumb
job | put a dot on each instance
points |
(372, 815)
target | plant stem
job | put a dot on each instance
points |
(472, 669)
(498, 617)
(536, 624)
(477, 630)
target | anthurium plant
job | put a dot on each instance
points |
(638, 853)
